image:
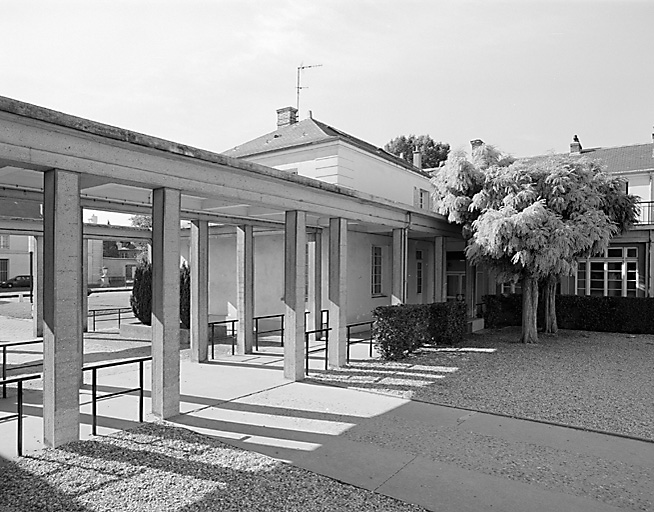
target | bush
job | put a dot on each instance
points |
(185, 296)
(400, 330)
(633, 315)
(141, 298)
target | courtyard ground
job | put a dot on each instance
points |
(407, 429)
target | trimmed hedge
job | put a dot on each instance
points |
(633, 315)
(400, 330)
(141, 298)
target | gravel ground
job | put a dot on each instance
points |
(592, 380)
(158, 467)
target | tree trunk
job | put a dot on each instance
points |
(529, 309)
(549, 297)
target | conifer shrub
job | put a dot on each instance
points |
(185, 296)
(141, 298)
(401, 330)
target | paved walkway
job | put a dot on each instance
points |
(437, 457)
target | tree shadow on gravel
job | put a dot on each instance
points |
(23, 490)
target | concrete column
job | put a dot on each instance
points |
(245, 289)
(337, 292)
(316, 294)
(398, 292)
(165, 302)
(294, 282)
(36, 247)
(62, 327)
(471, 274)
(199, 290)
(85, 285)
(440, 270)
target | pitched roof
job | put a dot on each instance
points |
(639, 157)
(307, 132)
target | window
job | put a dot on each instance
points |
(4, 242)
(421, 198)
(376, 271)
(614, 275)
(4, 270)
(418, 272)
(511, 287)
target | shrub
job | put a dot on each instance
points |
(400, 330)
(579, 312)
(185, 296)
(141, 298)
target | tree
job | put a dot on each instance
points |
(109, 249)
(141, 221)
(144, 222)
(433, 153)
(531, 220)
(141, 298)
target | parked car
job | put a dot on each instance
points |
(17, 282)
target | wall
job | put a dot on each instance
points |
(341, 164)
(360, 302)
(18, 256)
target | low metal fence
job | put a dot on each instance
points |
(8, 344)
(19, 405)
(307, 334)
(94, 387)
(368, 339)
(258, 332)
(97, 314)
(227, 336)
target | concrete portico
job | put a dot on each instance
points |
(67, 163)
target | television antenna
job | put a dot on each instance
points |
(298, 88)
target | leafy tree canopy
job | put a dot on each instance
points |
(141, 221)
(433, 153)
(532, 219)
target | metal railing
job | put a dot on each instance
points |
(646, 215)
(94, 387)
(257, 332)
(307, 334)
(19, 405)
(349, 337)
(100, 312)
(5, 345)
(232, 335)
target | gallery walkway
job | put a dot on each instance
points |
(438, 457)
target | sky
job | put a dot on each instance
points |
(522, 75)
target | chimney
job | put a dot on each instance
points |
(417, 158)
(476, 143)
(575, 146)
(286, 116)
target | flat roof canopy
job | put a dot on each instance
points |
(119, 170)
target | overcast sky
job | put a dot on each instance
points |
(523, 75)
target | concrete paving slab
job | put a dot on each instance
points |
(630, 451)
(444, 487)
